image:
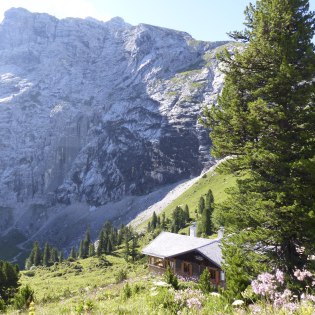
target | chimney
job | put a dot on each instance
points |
(221, 232)
(193, 230)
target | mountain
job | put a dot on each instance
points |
(96, 113)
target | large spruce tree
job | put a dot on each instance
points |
(265, 119)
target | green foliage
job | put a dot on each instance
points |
(126, 291)
(46, 255)
(73, 254)
(121, 275)
(91, 250)
(154, 221)
(23, 298)
(9, 280)
(179, 219)
(171, 278)
(2, 305)
(205, 281)
(201, 205)
(163, 302)
(206, 207)
(265, 120)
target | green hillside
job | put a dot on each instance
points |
(218, 183)
(212, 180)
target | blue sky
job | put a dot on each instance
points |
(203, 19)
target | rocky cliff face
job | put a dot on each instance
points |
(92, 111)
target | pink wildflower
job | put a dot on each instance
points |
(194, 303)
(255, 309)
(264, 285)
(291, 307)
(280, 276)
(302, 274)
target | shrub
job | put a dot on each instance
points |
(163, 298)
(121, 275)
(205, 282)
(23, 298)
(170, 278)
(29, 273)
(2, 306)
(126, 291)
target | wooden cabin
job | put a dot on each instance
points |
(187, 256)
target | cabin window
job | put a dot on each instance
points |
(159, 262)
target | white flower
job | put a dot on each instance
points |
(238, 303)
(215, 294)
(161, 284)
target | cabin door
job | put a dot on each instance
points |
(187, 268)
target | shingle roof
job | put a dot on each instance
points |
(212, 251)
(169, 244)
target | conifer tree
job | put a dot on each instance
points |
(186, 213)
(73, 254)
(86, 244)
(163, 221)
(54, 255)
(126, 250)
(149, 227)
(134, 244)
(36, 254)
(109, 245)
(265, 120)
(81, 250)
(209, 200)
(91, 250)
(61, 256)
(201, 204)
(154, 221)
(46, 255)
(9, 280)
(101, 244)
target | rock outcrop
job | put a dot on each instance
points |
(94, 111)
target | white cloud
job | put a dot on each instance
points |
(58, 8)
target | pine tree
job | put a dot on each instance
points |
(121, 232)
(37, 254)
(81, 250)
(163, 221)
(61, 256)
(109, 245)
(209, 200)
(73, 254)
(86, 244)
(101, 244)
(186, 212)
(46, 255)
(9, 280)
(265, 120)
(134, 244)
(126, 250)
(91, 250)
(205, 281)
(154, 221)
(54, 255)
(201, 204)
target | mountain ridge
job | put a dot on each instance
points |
(92, 113)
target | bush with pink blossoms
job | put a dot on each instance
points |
(273, 289)
(193, 299)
